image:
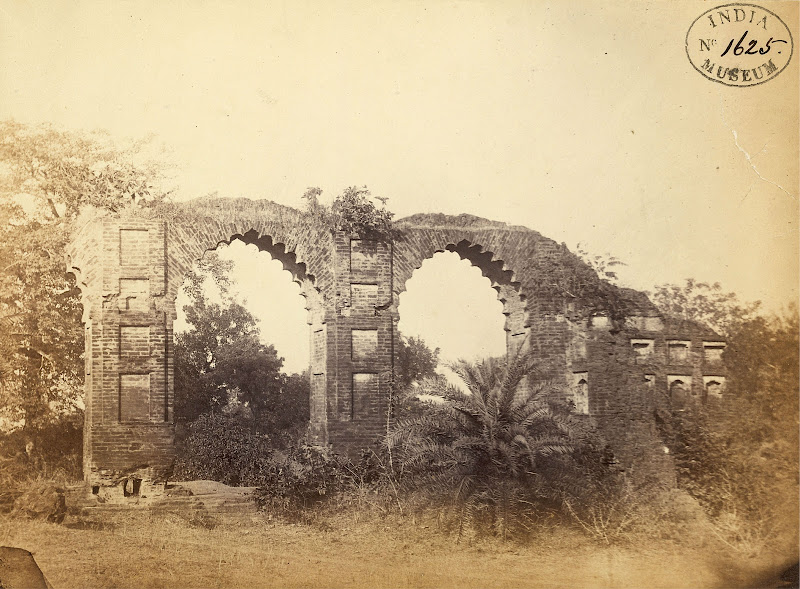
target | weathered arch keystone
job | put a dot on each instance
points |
(586, 334)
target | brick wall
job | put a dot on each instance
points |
(615, 347)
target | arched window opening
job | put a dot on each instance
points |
(679, 393)
(451, 306)
(580, 393)
(241, 350)
(714, 387)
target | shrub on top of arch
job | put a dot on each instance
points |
(353, 211)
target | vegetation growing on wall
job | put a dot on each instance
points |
(603, 264)
(575, 283)
(353, 212)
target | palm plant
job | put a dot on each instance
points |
(494, 451)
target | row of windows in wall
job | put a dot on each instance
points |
(680, 389)
(677, 350)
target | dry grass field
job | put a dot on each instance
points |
(142, 549)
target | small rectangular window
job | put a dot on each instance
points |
(318, 351)
(364, 394)
(678, 351)
(134, 247)
(363, 256)
(317, 398)
(134, 397)
(712, 351)
(365, 344)
(642, 349)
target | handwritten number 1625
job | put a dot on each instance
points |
(751, 50)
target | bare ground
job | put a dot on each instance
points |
(145, 549)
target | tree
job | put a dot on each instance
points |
(293, 406)
(47, 177)
(415, 361)
(492, 451)
(705, 303)
(763, 375)
(218, 334)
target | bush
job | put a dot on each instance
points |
(53, 450)
(220, 448)
(611, 509)
(302, 477)
(306, 478)
(353, 212)
(48, 456)
(742, 487)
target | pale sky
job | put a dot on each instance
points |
(582, 120)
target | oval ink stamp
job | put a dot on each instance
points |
(739, 45)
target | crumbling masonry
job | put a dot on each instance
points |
(617, 358)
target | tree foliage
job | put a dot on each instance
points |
(603, 264)
(764, 414)
(222, 365)
(705, 303)
(415, 361)
(47, 176)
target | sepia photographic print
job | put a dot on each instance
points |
(400, 293)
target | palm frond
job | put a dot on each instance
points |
(494, 451)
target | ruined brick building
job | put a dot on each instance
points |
(609, 347)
